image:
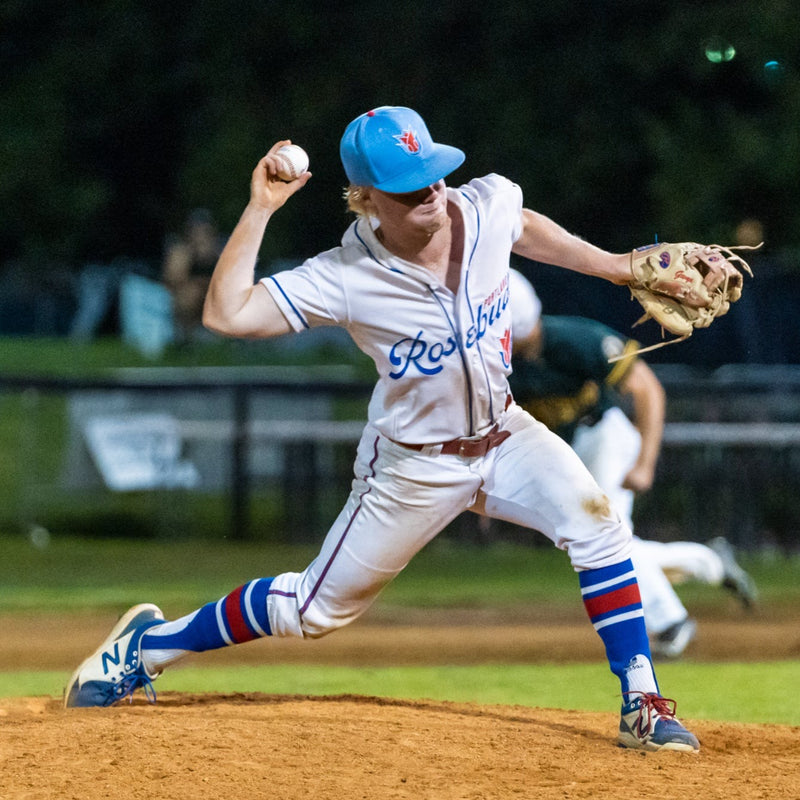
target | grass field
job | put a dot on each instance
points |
(81, 575)
(95, 573)
(753, 693)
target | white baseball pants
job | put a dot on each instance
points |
(609, 449)
(401, 499)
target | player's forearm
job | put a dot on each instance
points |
(234, 304)
(650, 450)
(545, 241)
(234, 274)
(649, 411)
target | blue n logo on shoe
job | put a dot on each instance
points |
(114, 659)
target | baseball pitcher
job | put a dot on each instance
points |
(421, 283)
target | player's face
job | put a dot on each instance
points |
(425, 209)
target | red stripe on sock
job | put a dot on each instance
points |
(240, 631)
(619, 598)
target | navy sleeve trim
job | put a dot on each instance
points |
(291, 304)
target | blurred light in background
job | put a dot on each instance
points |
(719, 50)
(774, 70)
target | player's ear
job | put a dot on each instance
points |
(358, 200)
(367, 203)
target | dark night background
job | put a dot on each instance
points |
(118, 117)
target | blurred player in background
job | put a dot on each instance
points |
(563, 378)
(189, 260)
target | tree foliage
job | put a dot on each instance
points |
(117, 116)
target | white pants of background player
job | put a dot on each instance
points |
(609, 449)
(402, 498)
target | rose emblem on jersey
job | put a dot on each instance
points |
(505, 343)
(408, 141)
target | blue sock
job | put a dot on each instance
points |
(612, 600)
(238, 617)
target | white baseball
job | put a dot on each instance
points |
(293, 162)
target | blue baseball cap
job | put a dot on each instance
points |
(390, 148)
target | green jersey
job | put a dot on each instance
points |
(571, 381)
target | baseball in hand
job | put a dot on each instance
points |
(292, 162)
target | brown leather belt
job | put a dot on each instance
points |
(467, 446)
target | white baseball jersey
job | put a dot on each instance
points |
(430, 346)
(442, 360)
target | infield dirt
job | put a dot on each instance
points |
(294, 747)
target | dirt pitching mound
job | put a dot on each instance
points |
(338, 748)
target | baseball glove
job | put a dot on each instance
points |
(686, 285)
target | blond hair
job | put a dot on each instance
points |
(358, 201)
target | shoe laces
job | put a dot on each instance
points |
(655, 705)
(130, 683)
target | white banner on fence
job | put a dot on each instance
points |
(139, 451)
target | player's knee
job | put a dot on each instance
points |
(316, 625)
(607, 544)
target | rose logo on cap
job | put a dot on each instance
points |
(408, 141)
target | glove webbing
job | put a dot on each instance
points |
(733, 258)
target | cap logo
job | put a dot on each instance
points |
(408, 141)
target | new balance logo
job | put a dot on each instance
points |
(111, 658)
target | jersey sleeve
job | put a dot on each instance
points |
(310, 295)
(502, 197)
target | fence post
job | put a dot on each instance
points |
(240, 473)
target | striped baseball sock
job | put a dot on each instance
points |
(612, 600)
(238, 617)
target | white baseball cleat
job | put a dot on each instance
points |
(735, 579)
(674, 640)
(115, 670)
